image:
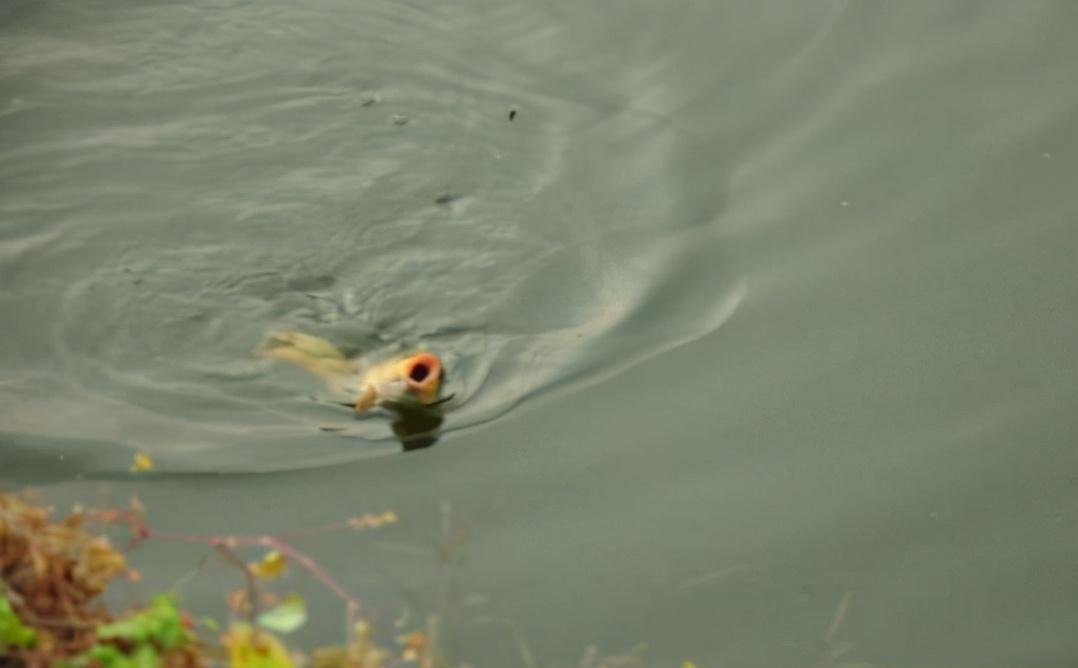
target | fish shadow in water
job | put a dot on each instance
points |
(416, 427)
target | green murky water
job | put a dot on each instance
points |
(747, 308)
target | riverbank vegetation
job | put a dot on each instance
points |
(55, 569)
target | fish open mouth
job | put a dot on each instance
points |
(423, 373)
(419, 372)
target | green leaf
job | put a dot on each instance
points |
(145, 656)
(105, 656)
(160, 623)
(110, 656)
(287, 616)
(13, 633)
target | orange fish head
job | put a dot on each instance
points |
(422, 373)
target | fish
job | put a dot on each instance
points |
(405, 382)
(411, 379)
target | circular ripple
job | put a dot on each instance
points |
(372, 194)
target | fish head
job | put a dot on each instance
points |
(415, 379)
(422, 375)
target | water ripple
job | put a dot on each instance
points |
(226, 175)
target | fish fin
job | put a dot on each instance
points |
(367, 399)
(439, 402)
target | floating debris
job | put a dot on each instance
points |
(141, 463)
(372, 521)
(400, 119)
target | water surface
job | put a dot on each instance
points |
(745, 309)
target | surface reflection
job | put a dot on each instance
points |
(417, 427)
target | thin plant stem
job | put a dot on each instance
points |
(227, 545)
(225, 550)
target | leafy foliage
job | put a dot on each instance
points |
(160, 625)
(13, 633)
(52, 570)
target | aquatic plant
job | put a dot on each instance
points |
(53, 572)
